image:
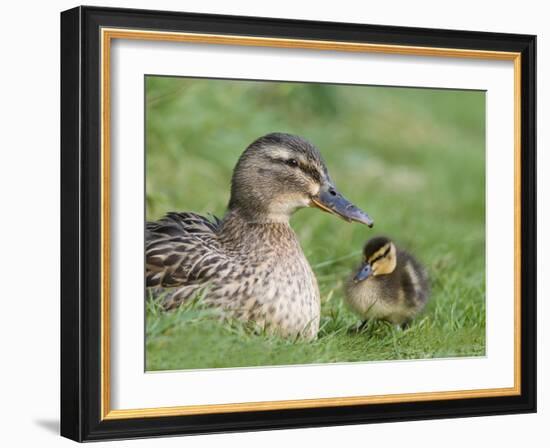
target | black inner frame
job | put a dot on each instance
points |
(81, 224)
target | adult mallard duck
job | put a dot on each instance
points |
(390, 284)
(250, 264)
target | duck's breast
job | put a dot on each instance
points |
(271, 283)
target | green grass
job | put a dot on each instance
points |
(413, 158)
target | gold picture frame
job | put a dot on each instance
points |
(109, 26)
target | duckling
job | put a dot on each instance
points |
(390, 284)
(249, 264)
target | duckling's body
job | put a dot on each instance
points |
(250, 264)
(389, 285)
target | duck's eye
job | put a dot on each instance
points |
(292, 162)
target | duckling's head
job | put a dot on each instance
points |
(281, 173)
(379, 258)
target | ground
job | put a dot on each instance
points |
(414, 159)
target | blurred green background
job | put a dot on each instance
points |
(413, 158)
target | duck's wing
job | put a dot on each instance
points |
(181, 249)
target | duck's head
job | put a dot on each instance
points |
(280, 173)
(379, 258)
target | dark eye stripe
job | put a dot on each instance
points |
(306, 169)
(311, 172)
(386, 252)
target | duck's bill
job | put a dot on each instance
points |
(331, 201)
(364, 273)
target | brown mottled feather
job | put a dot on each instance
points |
(179, 249)
(251, 271)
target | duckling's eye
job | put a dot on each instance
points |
(292, 162)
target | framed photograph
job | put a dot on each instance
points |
(273, 223)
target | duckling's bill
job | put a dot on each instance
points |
(331, 201)
(364, 273)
